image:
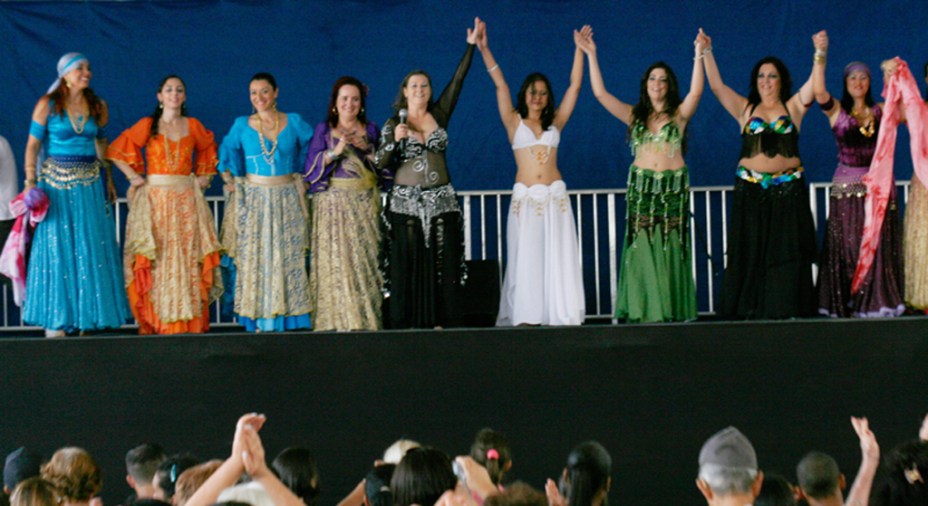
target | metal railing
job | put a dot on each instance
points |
(600, 217)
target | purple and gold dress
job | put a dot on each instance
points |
(881, 292)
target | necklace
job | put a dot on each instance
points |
(78, 127)
(268, 154)
(541, 155)
(865, 119)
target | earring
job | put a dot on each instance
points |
(160, 105)
(274, 106)
(334, 110)
(362, 110)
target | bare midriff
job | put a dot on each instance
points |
(762, 163)
(658, 161)
(536, 165)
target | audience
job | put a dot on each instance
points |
(34, 491)
(491, 450)
(74, 474)
(586, 479)
(141, 464)
(728, 472)
(164, 482)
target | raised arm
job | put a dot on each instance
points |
(507, 113)
(800, 102)
(697, 82)
(576, 80)
(734, 103)
(829, 106)
(859, 494)
(615, 106)
(230, 470)
(444, 106)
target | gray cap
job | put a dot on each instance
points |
(20, 465)
(728, 448)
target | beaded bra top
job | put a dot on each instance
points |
(668, 139)
(778, 137)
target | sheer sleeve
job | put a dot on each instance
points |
(127, 148)
(205, 143)
(231, 153)
(444, 106)
(304, 136)
(315, 170)
(385, 158)
(384, 174)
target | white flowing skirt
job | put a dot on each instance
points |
(543, 284)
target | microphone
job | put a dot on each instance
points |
(403, 113)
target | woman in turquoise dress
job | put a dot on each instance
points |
(74, 280)
(656, 275)
(264, 230)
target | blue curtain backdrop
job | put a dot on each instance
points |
(217, 45)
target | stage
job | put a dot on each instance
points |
(650, 393)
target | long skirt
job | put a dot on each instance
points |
(771, 248)
(344, 277)
(269, 252)
(74, 280)
(656, 274)
(881, 292)
(171, 256)
(915, 245)
(543, 284)
(425, 259)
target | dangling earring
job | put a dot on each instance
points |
(274, 106)
(160, 105)
(334, 110)
(362, 110)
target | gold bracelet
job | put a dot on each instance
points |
(819, 58)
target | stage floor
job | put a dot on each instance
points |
(650, 393)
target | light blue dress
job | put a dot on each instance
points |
(74, 279)
(271, 243)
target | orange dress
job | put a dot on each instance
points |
(171, 252)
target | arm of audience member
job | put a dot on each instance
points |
(355, 497)
(256, 467)
(476, 477)
(231, 470)
(554, 495)
(859, 494)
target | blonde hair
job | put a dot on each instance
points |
(193, 478)
(34, 492)
(74, 473)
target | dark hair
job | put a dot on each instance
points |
(906, 474)
(517, 494)
(296, 468)
(588, 468)
(786, 82)
(332, 116)
(170, 470)
(377, 485)
(818, 475)
(59, 97)
(643, 109)
(422, 477)
(264, 76)
(847, 101)
(486, 440)
(547, 114)
(143, 460)
(775, 491)
(400, 101)
(156, 114)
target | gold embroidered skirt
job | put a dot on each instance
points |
(915, 246)
(171, 257)
(345, 280)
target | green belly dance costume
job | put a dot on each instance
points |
(656, 277)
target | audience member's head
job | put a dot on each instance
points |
(20, 464)
(141, 464)
(150, 502)
(395, 453)
(923, 430)
(819, 477)
(491, 450)
(422, 477)
(728, 467)
(517, 494)
(190, 480)
(377, 491)
(251, 493)
(905, 476)
(74, 473)
(296, 468)
(587, 476)
(165, 480)
(776, 491)
(34, 491)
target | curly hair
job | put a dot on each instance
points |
(74, 473)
